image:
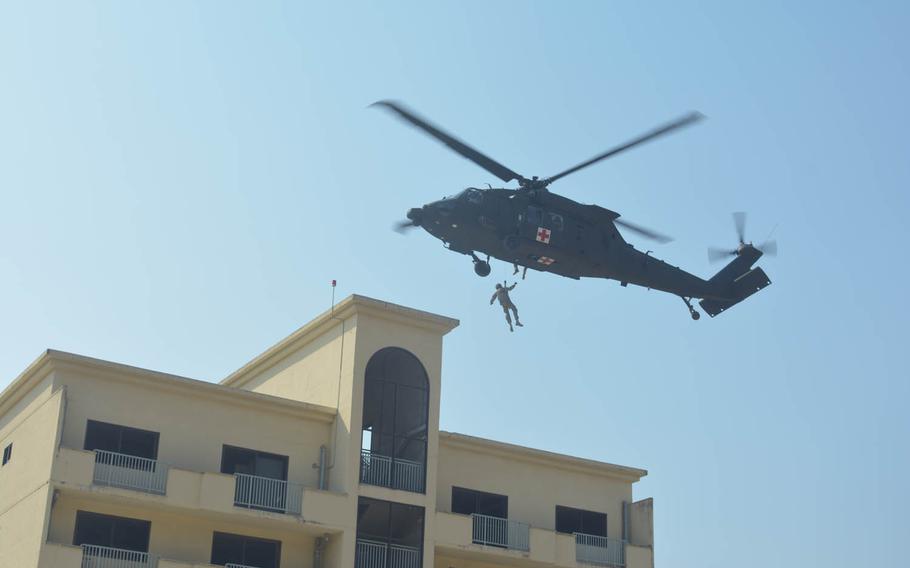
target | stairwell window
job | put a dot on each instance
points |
(395, 417)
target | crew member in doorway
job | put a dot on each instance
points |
(502, 294)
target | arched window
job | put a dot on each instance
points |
(395, 413)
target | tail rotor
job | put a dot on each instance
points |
(769, 247)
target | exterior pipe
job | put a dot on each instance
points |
(322, 484)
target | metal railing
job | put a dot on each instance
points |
(129, 472)
(374, 554)
(408, 475)
(504, 533)
(397, 473)
(403, 557)
(235, 565)
(591, 549)
(94, 556)
(370, 554)
(276, 495)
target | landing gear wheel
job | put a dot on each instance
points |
(482, 268)
(695, 315)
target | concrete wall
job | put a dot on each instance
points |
(192, 426)
(533, 489)
(179, 537)
(641, 522)
(32, 428)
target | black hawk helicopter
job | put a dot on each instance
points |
(533, 228)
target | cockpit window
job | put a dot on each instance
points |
(473, 195)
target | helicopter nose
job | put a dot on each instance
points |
(415, 215)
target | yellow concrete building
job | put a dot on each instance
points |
(323, 452)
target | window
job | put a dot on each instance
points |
(569, 520)
(535, 216)
(245, 550)
(469, 501)
(253, 462)
(121, 439)
(112, 532)
(473, 195)
(7, 453)
(556, 222)
(388, 533)
(395, 416)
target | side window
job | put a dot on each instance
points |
(469, 501)
(474, 196)
(535, 216)
(570, 520)
(7, 453)
(121, 440)
(253, 462)
(556, 221)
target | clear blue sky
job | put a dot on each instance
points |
(179, 184)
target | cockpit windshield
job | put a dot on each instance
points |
(471, 195)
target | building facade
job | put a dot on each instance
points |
(324, 452)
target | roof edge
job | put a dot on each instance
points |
(345, 309)
(534, 455)
(52, 359)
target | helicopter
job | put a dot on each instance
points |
(531, 227)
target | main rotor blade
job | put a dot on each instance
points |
(648, 233)
(660, 131)
(739, 220)
(485, 162)
(403, 227)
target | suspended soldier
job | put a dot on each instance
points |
(502, 294)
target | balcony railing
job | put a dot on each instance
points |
(94, 556)
(397, 473)
(504, 533)
(373, 554)
(591, 549)
(276, 495)
(129, 472)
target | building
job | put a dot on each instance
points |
(324, 452)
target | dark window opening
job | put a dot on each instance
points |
(246, 550)
(253, 462)
(570, 520)
(121, 439)
(395, 418)
(111, 532)
(556, 221)
(7, 453)
(469, 501)
(389, 532)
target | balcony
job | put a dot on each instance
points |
(129, 472)
(502, 533)
(267, 494)
(372, 554)
(591, 549)
(94, 556)
(395, 473)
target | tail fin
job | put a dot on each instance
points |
(735, 282)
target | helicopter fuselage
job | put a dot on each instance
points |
(547, 232)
